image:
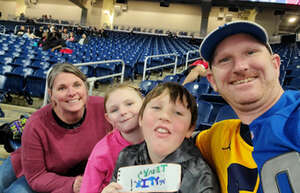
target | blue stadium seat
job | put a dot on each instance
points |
(196, 88)
(14, 144)
(5, 68)
(35, 83)
(204, 112)
(294, 83)
(225, 112)
(3, 80)
(171, 78)
(4, 59)
(20, 61)
(105, 69)
(16, 79)
(87, 70)
(147, 85)
(37, 64)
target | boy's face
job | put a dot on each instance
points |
(165, 125)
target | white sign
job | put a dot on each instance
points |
(163, 177)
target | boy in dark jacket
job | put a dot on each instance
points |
(167, 118)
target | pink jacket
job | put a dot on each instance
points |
(101, 164)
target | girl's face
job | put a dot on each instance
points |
(122, 107)
(68, 95)
(165, 125)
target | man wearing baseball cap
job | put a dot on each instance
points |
(259, 151)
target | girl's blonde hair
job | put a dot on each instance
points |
(120, 86)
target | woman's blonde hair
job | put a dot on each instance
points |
(64, 67)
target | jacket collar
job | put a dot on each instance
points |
(186, 151)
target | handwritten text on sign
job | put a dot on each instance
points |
(162, 177)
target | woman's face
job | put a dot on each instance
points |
(68, 94)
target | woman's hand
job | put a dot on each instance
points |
(112, 188)
(77, 184)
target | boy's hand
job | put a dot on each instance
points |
(112, 188)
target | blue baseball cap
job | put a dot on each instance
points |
(212, 40)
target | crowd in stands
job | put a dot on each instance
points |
(55, 37)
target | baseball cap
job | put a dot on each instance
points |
(212, 40)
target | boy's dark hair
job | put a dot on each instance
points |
(176, 91)
(120, 86)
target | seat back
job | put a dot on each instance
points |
(225, 112)
(147, 85)
(204, 112)
(196, 88)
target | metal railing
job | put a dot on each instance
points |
(159, 66)
(187, 60)
(90, 80)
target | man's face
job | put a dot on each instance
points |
(245, 73)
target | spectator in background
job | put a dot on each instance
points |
(43, 41)
(196, 69)
(83, 40)
(65, 34)
(71, 37)
(39, 32)
(21, 31)
(58, 138)
(48, 27)
(54, 41)
(22, 17)
(104, 33)
(29, 34)
(79, 31)
(50, 19)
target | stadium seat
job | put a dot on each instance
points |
(5, 68)
(171, 78)
(16, 79)
(225, 112)
(204, 111)
(20, 61)
(147, 85)
(104, 70)
(35, 83)
(14, 144)
(196, 89)
(87, 70)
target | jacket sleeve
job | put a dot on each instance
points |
(34, 166)
(94, 176)
(198, 177)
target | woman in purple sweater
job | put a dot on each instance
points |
(58, 138)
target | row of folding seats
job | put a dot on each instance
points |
(25, 81)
